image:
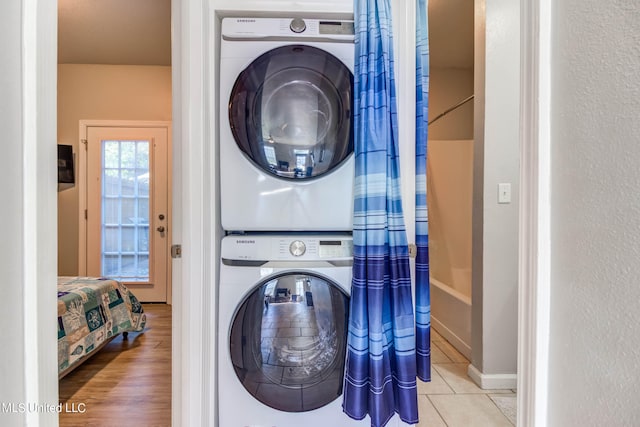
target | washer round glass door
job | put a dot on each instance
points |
(288, 341)
(290, 112)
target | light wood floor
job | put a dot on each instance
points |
(127, 383)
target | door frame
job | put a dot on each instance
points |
(534, 265)
(82, 185)
(196, 28)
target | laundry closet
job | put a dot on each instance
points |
(286, 208)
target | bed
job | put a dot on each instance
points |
(91, 312)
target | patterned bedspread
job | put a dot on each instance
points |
(90, 311)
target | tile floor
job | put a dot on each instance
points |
(452, 399)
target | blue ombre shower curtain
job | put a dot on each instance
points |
(380, 373)
(423, 298)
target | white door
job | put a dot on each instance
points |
(128, 208)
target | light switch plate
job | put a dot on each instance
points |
(504, 192)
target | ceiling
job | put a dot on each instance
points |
(122, 32)
(138, 32)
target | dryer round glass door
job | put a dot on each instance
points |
(288, 340)
(291, 112)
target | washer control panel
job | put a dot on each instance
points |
(269, 28)
(309, 248)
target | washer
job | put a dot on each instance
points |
(282, 330)
(286, 134)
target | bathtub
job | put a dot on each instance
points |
(451, 316)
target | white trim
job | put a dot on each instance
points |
(82, 200)
(177, 377)
(194, 315)
(535, 247)
(39, 226)
(492, 381)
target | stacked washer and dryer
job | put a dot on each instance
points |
(286, 176)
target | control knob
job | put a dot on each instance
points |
(297, 248)
(298, 25)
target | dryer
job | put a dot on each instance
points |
(283, 313)
(286, 134)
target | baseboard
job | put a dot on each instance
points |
(492, 381)
(450, 336)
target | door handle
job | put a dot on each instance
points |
(160, 229)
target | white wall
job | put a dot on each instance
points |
(11, 227)
(101, 92)
(496, 160)
(595, 214)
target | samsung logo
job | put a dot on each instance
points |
(248, 242)
(245, 20)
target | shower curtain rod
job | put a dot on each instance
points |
(459, 104)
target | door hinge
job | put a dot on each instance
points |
(176, 251)
(413, 250)
(86, 214)
(85, 142)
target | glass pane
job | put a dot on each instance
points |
(111, 154)
(143, 211)
(129, 211)
(127, 154)
(143, 266)
(111, 211)
(142, 155)
(289, 337)
(125, 206)
(128, 266)
(128, 239)
(111, 182)
(111, 239)
(143, 239)
(128, 182)
(143, 182)
(110, 265)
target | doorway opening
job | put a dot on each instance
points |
(115, 71)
